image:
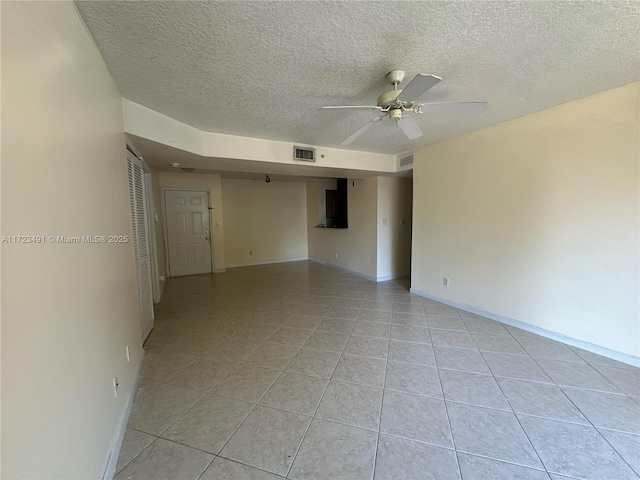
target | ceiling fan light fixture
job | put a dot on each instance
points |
(395, 114)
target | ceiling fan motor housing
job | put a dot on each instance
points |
(388, 98)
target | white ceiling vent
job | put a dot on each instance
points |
(407, 160)
(304, 154)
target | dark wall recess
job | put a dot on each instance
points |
(341, 211)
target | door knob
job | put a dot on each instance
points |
(207, 238)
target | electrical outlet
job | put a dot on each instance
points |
(384, 221)
(162, 278)
(403, 222)
(128, 353)
(115, 386)
(335, 254)
(445, 281)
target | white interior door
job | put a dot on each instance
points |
(188, 232)
(139, 218)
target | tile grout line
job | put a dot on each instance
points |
(514, 415)
(135, 456)
(509, 462)
(384, 384)
(304, 436)
(446, 409)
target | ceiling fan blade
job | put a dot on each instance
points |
(361, 130)
(365, 107)
(416, 87)
(456, 107)
(410, 128)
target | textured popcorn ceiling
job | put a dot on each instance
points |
(264, 69)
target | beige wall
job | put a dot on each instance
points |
(201, 181)
(355, 246)
(68, 310)
(394, 200)
(536, 219)
(264, 222)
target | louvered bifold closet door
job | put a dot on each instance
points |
(140, 242)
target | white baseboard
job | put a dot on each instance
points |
(112, 463)
(359, 274)
(386, 278)
(220, 270)
(590, 347)
(338, 267)
(236, 265)
(321, 262)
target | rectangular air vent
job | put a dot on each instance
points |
(406, 160)
(304, 154)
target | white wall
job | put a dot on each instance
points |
(355, 246)
(267, 219)
(68, 310)
(213, 184)
(537, 219)
(394, 227)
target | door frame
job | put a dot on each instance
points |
(151, 221)
(165, 229)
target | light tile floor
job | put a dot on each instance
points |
(301, 371)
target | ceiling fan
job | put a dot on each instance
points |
(397, 103)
